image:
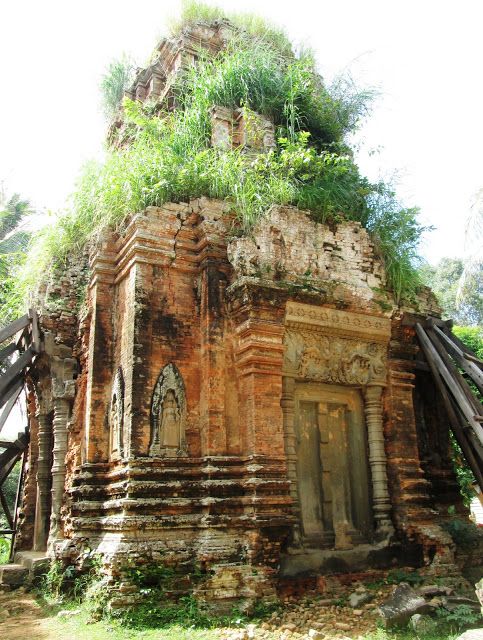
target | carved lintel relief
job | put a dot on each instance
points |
(334, 359)
(168, 414)
(327, 345)
(116, 417)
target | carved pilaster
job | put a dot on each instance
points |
(59, 428)
(288, 407)
(42, 519)
(377, 460)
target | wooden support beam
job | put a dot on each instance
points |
(7, 351)
(466, 405)
(454, 372)
(16, 506)
(19, 443)
(10, 398)
(6, 457)
(6, 510)
(18, 380)
(14, 370)
(14, 327)
(466, 350)
(455, 422)
(461, 358)
(35, 331)
(7, 444)
(6, 468)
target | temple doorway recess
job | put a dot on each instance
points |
(332, 467)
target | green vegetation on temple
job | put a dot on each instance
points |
(168, 156)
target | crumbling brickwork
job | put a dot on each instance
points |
(239, 408)
(196, 357)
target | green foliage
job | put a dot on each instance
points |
(9, 489)
(459, 618)
(53, 581)
(5, 543)
(150, 575)
(400, 575)
(463, 304)
(167, 156)
(13, 245)
(464, 475)
(262, 609)
(464, 533)
(70, 584)
(10, 485)
(193, 12)
(155, 612)
(159, 607)
(472, 337)
(116, 79)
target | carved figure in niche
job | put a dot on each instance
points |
(170, 421)
(116, 417)
(168, 414)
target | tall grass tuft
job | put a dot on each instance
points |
(169, 157)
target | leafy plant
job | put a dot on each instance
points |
(154, 612)
(193, 12)
(400, 575)
(63, 583)
(167, 156)
(464, 533)
(4, 549)
(459, 618)
(14, 240)
(114, 82)
(52, 582)
(462, 301)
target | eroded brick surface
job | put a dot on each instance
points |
(217, 335)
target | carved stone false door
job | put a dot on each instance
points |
(331, 465)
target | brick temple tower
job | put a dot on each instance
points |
(248, 406)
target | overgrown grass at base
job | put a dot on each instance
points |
(80, 627)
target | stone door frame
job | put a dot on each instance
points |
(344, 348)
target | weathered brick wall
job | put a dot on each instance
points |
(175, 289)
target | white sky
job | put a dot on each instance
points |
(425, 56)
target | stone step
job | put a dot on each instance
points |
(36, 562)
(13, 575)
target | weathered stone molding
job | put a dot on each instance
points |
(337, 322)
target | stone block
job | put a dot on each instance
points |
(402, 605)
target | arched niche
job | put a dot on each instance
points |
(116, 417)
(168, 414)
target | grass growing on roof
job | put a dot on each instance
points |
(169, 157)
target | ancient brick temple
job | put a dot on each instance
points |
(249, 406)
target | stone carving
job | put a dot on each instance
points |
(168, 414)
(116, 416)
(334, 359)
(336, 321)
